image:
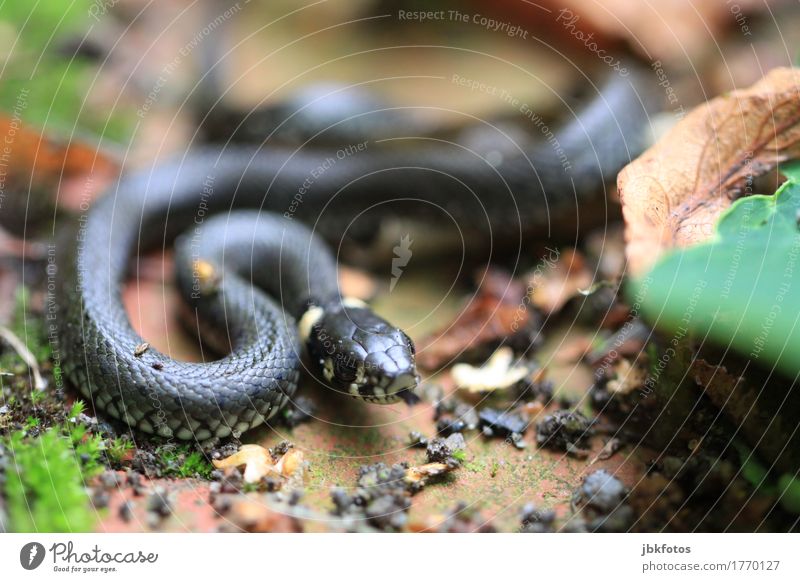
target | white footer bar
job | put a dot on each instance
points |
(332, 557)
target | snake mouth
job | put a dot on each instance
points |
(390, 389)
(394, 389)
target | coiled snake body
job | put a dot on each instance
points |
(263, 284)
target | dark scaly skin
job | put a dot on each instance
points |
(525, 191)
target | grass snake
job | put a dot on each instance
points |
(249, 223)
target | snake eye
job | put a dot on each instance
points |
(411, 347)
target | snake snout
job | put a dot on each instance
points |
(392, 372)
(362, 354)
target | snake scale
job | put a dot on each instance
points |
(249, 222)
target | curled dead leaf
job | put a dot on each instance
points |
(421, 474)
(290, 463)
(627, 377)
(609, 450)
(258, 462)
(499, 373)
(673, 194)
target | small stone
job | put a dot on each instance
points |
(534, 520)
(158, 503)
(448, 425)
(502, 424)
(443, 450)
(417, 439)
(126, 511)
(564, 429)
(601, 491)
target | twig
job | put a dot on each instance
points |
(25, 354)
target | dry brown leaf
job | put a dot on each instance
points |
(561, 281)
(627, 377)
(422, 473)
(256, 460)
(498, 373)
(496, 312)
(667, 29)
(673, 194)
(609, 450)
(41, 159)
(290, 462)
(36, 166)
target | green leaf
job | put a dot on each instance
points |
(742, 288)
(789, 492)
(752, 470)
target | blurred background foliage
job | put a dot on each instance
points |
(43, 73)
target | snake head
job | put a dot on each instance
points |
(360, 353)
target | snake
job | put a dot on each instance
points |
(251, 225)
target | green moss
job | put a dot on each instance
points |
(117, 449)
(476, 466)
(196, 465)
(495, 468)
(180, 461)
(45, 488)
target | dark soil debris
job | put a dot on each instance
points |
(566, 430)
(381, 500)
(280, 449)
(601, 501)
(464, 518)
(159, 503)
(299, 410)
(535, 520)
(454, 415)
(417, 439)
(449, 451)
(502, 423)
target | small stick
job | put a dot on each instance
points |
(23, 352)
